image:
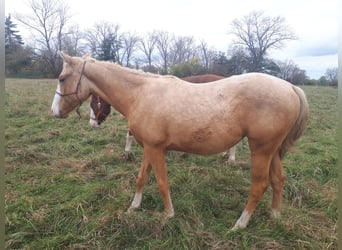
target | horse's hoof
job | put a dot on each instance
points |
(168, 214)
(275, 214)
(231, 162)
(130, 210)
(129, 156)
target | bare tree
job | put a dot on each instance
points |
(47, 25)
(163, 46)
(73, 43)
(147, 45)
(183, 49)
(205, 55)
(289, 71)
(129, 45)
(238, 60)
(260, 33)
(331, 75)
(105, 41)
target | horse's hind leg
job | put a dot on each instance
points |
(259, 182)
(277, 177)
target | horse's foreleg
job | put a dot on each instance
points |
(259, 183)
(143, 175)
(157, 159)
(129, 139)
(277, 178)
(232, 152)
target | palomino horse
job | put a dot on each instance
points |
(99, 110)
(167, 113)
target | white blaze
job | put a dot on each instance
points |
(55, 102)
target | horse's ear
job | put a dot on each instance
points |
(65, 57)
(88, 55)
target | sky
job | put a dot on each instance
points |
(314, 22)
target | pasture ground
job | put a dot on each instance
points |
(68, 185)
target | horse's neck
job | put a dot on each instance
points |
(114, 85)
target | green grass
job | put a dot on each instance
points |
(68, 185)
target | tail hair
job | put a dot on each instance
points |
(299, 127)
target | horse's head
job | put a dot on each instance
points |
(72, 88)
(99, 110)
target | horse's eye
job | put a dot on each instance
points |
(61, 80)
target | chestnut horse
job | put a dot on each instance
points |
(202, 78)
(167, 113)
(99, 110)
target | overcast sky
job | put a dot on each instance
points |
(315, 22)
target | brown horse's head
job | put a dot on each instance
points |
(72, 88)
(99, 110)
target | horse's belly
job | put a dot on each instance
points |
(203, 143)
(198, 149)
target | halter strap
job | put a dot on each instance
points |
(99, 108)
(76, 91)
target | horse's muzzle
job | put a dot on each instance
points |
(58, 114)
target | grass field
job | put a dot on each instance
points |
(68, 185)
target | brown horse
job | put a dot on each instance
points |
(202, 78)
(100, 109)
(167, 113)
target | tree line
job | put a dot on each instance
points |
(157, 51)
